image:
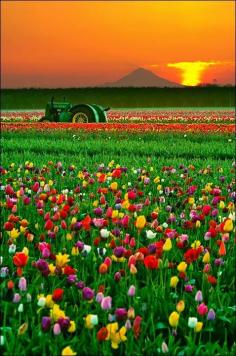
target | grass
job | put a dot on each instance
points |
(90, 148)
(121, 97)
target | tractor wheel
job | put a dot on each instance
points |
(83, 114)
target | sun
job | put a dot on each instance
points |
(191, 71)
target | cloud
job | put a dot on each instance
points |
(192, 71)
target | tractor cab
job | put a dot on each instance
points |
(57, 111)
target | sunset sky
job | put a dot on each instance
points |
(86, 43)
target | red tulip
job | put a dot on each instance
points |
(151, 262)
(57, 294)
(20, 259)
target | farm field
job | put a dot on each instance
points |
(119, 238)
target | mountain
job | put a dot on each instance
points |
(142, 78)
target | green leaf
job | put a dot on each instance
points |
(223, 318)
(160, 325)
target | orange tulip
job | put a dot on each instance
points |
(222, 249)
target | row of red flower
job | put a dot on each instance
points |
(134, 127)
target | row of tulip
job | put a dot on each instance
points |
(141, 116)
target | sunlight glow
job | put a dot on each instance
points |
(191, 71)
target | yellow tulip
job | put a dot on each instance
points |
(49, 301)
(69, 236)
(115, 214)
(196, 244)
(73, 220)
(67, 351)
(72, 327)
(52, 268)
(61, 260)
(157, 180)
(25, 250)
(174, 281)
(180, 306)
(206, 257)
(198, 223)
(228, 225)
(167, 245)
(182, 266)
(56, 312)
(174, 319)
(191, 200)
(125, 204)
(221, 204)
(198, 327)
(133, 269)
(140, 222)
(114, 186)
(74, 251)
(14, 233)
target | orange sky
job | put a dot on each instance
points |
(68, 43)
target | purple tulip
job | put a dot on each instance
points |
(116, 232)
(106, 303)
(51, 235)
(72, 278)
(22, 284)
(80, 285)
(128, 324)
(88, 293)
(77, 226)
(42, 266)
(98, 211)
(188, 288)
(79, 245)
(117, 276)
(46, 252)
(121, 313)
(56, 329)
(99, 297)
(46, 323)
(214, 212)
(16, 298)
(119, 251)
(151, 249)
(222, 179)
(219, 261)
(131, 291)
(211, 315)
(198, 296)
(64, 323)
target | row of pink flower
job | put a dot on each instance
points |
(140, 116)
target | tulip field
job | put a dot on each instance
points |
(118, 238)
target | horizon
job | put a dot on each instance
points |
(176, 49)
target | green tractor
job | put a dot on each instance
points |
(80, 113)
